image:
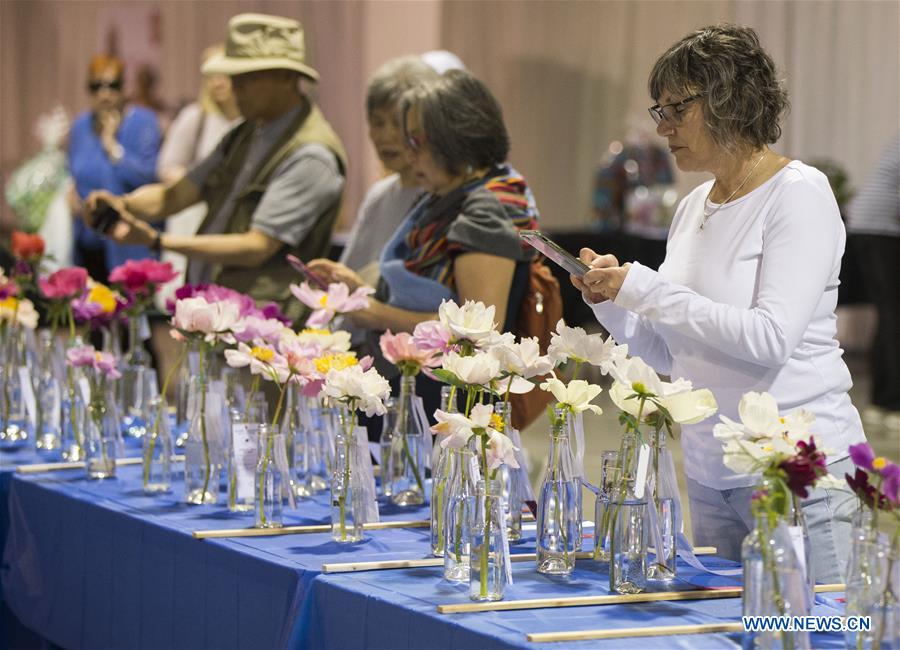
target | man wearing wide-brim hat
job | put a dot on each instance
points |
(273, 184)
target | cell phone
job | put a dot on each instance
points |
(105, 217)
(307, 272)
(552, 251)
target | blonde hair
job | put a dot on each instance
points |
(206, 101)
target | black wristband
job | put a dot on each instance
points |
(156, 247)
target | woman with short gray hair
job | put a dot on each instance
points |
(745, 298)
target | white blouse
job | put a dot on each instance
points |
(747, 304)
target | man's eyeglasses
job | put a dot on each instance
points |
(671, 112)
(95, 86)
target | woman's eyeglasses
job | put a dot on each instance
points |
(95, 86)
(672, 113)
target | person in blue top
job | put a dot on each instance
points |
(111, 147)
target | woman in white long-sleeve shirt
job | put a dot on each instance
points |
(745, 298)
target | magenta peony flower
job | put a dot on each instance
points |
(142, 276)
(65, 283)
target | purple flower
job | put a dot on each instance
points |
(862, 455)
(891, 486)
(805, 468)
(81, 356)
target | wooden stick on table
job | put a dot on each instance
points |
(39, 468)
(634, 632)
(622, 599)
(300, 530)
(346, 567)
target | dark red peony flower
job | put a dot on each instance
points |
(804, 468)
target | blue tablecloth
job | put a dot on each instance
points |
(96, 564)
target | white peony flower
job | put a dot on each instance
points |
(365, 390)
(576, 344)
(471, 322)
(501, 450)
(479, 369)
(328, 342)
(522, 359)
(577, 395)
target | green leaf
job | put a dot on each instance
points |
(449, 378)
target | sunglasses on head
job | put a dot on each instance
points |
(95, 86)
(415, 142)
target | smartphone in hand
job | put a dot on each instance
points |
(311, 276)
(105, 217)
(554, 252)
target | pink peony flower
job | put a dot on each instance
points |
(401, 350)
(196, 315)
(142, 276)
(65, 283)
(252, 328)
(326, 304)
(106, 363)
(432, 335)
(81, 356)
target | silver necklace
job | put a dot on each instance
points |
(707, 215)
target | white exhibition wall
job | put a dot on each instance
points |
(571, 75)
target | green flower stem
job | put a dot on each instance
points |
(765, 523)
(206, 462)
(485, 541)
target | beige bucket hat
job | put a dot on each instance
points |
(261, 42)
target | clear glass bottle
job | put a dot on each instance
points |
(388, 423)
(244, 456)
(271, 478)
(15, 384)
(490, 548)
(185, 397)
(135, 367)
(101, 434)
(557, 525)
(204, 452)
(799, 532)
(774, 584)
(321, 446)
(628, 534)
(514, 481)
(74, 406)
(440, 484)
(157, 449)
(664, 493)
(408, 450)
(873, 586)
(346, 491)
(609, 477)
(48, 429)
(464, 474)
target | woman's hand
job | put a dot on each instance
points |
(336, 272)
(605, 281)
(590, 290)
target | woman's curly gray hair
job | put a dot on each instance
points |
(743, 99)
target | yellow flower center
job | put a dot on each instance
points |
(9, 303)
(262, 354)
(313, 331)
(497, 422)
(879, 463)
(336, 362)
(323, 301)
(101, 295)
